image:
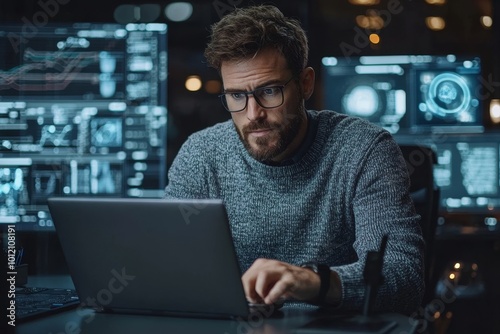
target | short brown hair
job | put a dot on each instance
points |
(245, 31)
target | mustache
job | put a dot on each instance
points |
(258, 125)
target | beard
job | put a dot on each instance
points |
(268, 147)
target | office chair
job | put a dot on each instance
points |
(425, 195)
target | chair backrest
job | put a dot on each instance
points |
(420, 162)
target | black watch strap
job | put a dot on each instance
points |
(324, 275)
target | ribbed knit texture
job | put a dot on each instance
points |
(333, 206)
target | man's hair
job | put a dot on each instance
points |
(245, 31)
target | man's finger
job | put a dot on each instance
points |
(264, 282)
(249, 288)
(279, 291)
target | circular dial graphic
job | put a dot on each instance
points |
(448, 95)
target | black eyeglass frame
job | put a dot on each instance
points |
(252, 92)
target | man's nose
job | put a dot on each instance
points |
(254, 110)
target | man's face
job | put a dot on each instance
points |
(268, 134)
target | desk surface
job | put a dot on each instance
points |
(288, 320)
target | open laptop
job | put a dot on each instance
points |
(151, 256)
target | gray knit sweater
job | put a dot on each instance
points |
(333, 206)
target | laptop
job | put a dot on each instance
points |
(151, 256)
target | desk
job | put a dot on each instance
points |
(86, 321)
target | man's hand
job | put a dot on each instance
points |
(269, 281)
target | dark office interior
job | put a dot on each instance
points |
(425, 38)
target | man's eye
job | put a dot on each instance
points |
(269, 91)
(237, 95)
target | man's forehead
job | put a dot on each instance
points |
(254, 71)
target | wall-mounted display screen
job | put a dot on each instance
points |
(83, 112)
(407, 93)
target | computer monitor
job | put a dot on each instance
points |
(407, 93)
(467, 172)
(83, 111)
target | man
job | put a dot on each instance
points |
(303, 189)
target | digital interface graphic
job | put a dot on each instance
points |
(407, 93)
(430, 100)
(83, 112)
(467, 171)
(468, 176)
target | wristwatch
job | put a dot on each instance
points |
(324, 275)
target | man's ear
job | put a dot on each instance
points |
(307, 77)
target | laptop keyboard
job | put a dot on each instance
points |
(36, 302)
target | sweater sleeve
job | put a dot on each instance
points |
(382, 205)
(188, 175)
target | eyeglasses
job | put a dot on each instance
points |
(267, 97)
